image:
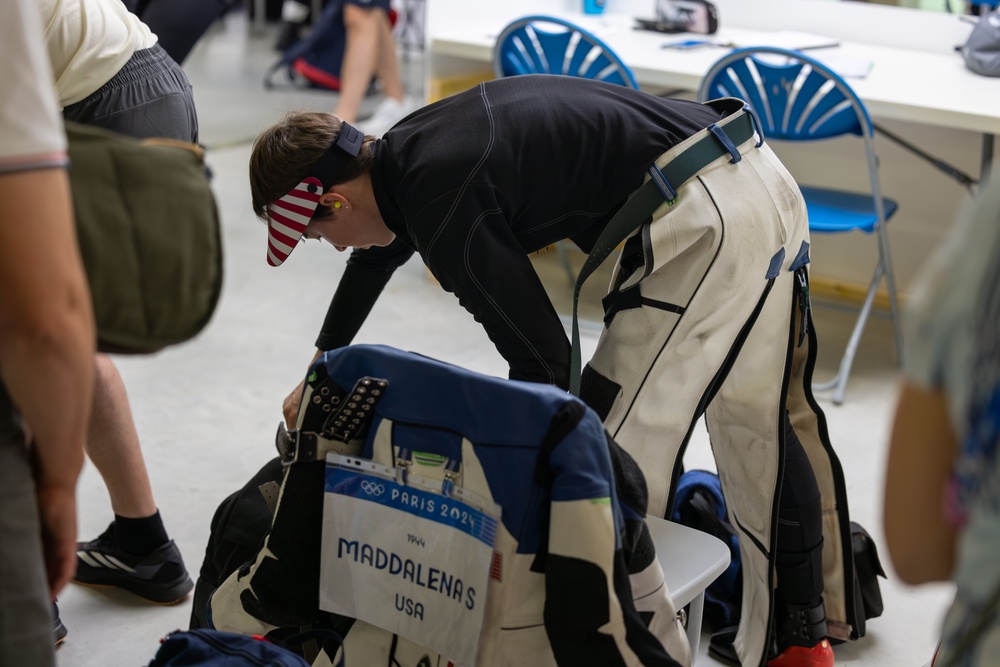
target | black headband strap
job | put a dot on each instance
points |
(329, 167)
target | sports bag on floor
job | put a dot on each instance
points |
(238, 528)
(699, 504)
(150, 237)
(211, 648)
(314, 61)
(573, 577)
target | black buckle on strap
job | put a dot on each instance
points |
(662, 184)
(726, 142)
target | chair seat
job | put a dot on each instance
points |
(690, 560)
(834, 211)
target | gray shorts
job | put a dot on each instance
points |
(149, 97)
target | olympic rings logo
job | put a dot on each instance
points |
(372, 488)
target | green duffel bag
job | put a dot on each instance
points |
(150, 237)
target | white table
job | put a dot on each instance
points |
(918, 86)
(691, 560)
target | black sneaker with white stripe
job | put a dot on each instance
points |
(158, 577)
(59, 630)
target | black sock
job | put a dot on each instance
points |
(140, 537)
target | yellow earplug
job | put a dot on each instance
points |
(336, 204)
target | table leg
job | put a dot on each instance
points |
(259, 15)
(987, 163)
(695, 610)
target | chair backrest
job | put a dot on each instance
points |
(550, 45)
(795, 97)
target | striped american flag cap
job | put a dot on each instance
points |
(288, 217)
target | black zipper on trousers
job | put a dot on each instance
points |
(839, 483)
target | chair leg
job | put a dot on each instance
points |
(694, 620)
(839, 381)
(564, 260)
(890, 279)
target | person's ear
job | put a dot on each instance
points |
(334, 200)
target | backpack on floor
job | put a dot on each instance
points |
(699, 504)
(315, 60)
(188, 648)
(238, 528)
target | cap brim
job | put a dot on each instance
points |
(288, 217)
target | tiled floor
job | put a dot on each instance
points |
(207, 410)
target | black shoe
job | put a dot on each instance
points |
(158, 577)
(59, 630)
(721, 648)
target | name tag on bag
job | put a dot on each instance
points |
(400, 555)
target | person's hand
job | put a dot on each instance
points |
(290, 407)
(57, 511)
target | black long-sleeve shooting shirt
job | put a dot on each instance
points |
(478, 181)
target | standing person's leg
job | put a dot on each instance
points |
(387, 65)
(704, 264)
(371, 52)
(361, 57)
(113, 445)
(800, 619)
(781, 543)
(150, 96)
(716, 272)
(25, 609)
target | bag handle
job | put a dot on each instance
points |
(175, 143)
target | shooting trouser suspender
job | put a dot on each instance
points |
(661, 186)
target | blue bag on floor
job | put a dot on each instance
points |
(699, 504)
(225, 649)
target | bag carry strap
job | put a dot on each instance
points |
(661, 186)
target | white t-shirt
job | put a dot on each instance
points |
(31, 131)
(88, 42)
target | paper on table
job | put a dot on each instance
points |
(789, 39)
(848, 67)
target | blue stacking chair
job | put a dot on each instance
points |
(983, 6)
(797, 98)
(550, 45)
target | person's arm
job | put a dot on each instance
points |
(47, 345)
(47, 337)
(922, 449)
(365, 276)
(485, 266)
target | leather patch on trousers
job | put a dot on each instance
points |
(598, 391)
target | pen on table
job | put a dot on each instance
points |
(695, 43)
